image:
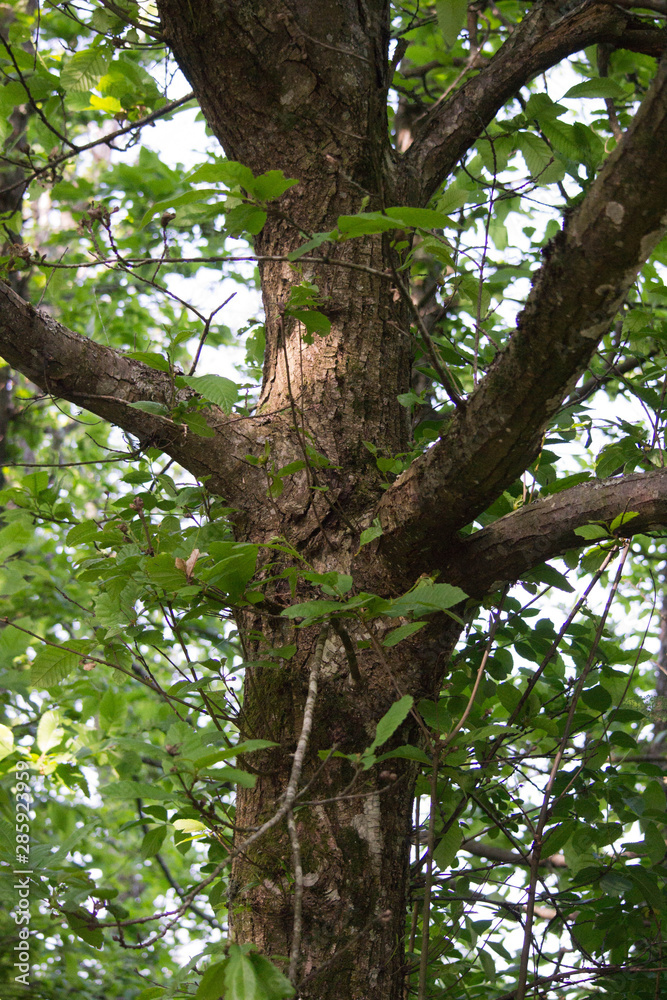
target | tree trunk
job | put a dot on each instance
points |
(328, 397)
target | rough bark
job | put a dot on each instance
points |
(302, 87)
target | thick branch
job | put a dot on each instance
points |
(105, 382)
(574, 299)
(516, 543)
(543, 38)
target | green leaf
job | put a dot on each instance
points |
(366, 223)
(613, 457)
(406, 752)
(156, 361)
(211, 984)
(599, 87)
(240, 977)
(83, 70)
(245, 219)
(52, 664)
(269, 186)
(426, 598)
(622, 519)
(563, 138)
(317, 241)
(152, 842)
(49, 732)
(314, 321)
(646, 884)
(547, 574)
(6, 741)
(234, 571)
(83, 532)
(591, 532)
(131, 790)
(419, 218)
(402, 632)
(148, 406)
(196, 196)
(451, 16)
(370, 534)
(14, 537)
(448, 847)
(391, 720)
(216, 388)
(196, 422)
(270, 980)
(162, 571)
(310, 610)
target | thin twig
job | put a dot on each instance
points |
(445, 376)
(103, 140)
(520, 991)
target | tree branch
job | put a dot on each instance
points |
(502, 552)
(574, 299)
(105, 382)
(542, 39)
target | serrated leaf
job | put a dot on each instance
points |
(52, 664)
(14, 537)
(270, 185)
(196, 422)
(317, 241)
(391, 720)
(419, 218)
(108, 613)
(547, 574)
(426, 598)
(216, 388)
(366, 223)
(196, 196)
(152, 992)
(189, 826)
(83, 532)
(314, 321)
(83, 70)
(273, 984)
